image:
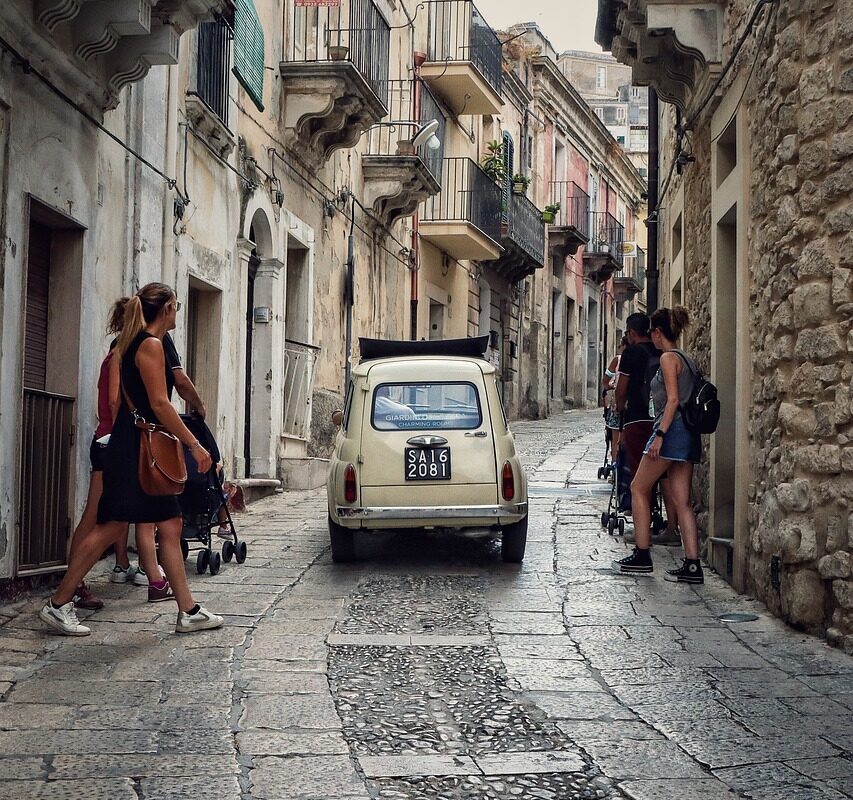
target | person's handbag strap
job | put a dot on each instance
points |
(140, 421)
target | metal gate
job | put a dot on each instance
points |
(44, 523)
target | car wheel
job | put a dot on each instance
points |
(343, 542)
(514, 541)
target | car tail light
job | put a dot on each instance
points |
(508, 481)
(350, 487)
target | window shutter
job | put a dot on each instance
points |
(509, 162)
(249, 50)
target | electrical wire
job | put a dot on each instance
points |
(249, 183)
(29, 69)
(758, 47)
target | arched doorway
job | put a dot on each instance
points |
(256, 433)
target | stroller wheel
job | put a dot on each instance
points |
(240, 552)
(227, 551)
(621, 526)
(201, 561)
(601, 475)
(604, 517)
(185, 548)
(215, 563)
(611, 526)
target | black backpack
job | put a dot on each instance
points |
(701, 412)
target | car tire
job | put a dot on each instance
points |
(514, 541)
(343, 543)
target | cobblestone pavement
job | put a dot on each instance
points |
(430, 669)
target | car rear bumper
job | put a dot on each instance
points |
(414, 516)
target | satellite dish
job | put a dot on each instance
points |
(426, 135)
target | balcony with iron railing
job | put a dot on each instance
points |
(603, 255)
(632, 279)
(464, 219)
(464, 64)
(522, 237)
(398, 174)
(570, 227)
(335, 75)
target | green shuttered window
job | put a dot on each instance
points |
(249, 50)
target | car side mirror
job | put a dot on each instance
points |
(337, 418)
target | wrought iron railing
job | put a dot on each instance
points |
(44, 523)
(213, 66)
(641, 268)
(467, 193)
(458, 32)
(354, 31)
(299, 361)
(574, 206)
(607, 235)
(525, 227)
(410, 105)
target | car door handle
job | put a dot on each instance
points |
(478, 434)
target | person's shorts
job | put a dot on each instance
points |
(679, 443)
(613, 419)
(96, 456)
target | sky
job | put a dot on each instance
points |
(569, 24)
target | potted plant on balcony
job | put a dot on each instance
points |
(493, 162)
(338, 52)
(549, 213)
(520, 183)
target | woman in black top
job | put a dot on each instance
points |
(149, 314)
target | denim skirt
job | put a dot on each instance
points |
(679, 443)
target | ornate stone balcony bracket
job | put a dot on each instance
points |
(395, 185)
(94, 48)
(208, 125)
(328, 105)
(672, 46)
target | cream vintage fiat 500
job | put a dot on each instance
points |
(423, 442)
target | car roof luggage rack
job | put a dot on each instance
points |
(472, 347)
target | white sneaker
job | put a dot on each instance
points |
(202, 621)
(123, 574)
(64, 619)
(140, 577)
(224, 532)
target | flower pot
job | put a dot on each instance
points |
(519, 188)
(405, 148)
(338, 52)
(548, 217)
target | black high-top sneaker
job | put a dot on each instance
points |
(638, 563)
(689, 572)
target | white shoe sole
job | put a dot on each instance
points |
(209, 625)
(54, 623)
(118, 578)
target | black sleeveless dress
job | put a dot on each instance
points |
(123, 499)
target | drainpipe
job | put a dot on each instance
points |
(652, 272)
(415, 259)
(170, 160)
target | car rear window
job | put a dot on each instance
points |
(426, 406)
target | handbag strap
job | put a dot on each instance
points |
(140, 421)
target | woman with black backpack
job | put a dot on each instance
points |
(672, 449)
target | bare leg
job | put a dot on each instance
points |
(641, 497)
(680, 478)
(86, 553)
(669, 505)
(122, 557)
(147, 551)
(173, 561)
(614, 446)
(90, 512)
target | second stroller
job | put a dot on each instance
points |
(204, 507)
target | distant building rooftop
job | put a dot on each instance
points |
(584, 54)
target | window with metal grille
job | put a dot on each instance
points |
(214, 66)
(509, 164)
(249, 50)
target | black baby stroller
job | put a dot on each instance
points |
(619, 503)
(605, 470)
(202, 502)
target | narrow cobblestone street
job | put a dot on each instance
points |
(430, 669)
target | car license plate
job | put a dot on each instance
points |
(429, 464)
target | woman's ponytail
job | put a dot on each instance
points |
(132, 323)
(680, 319)
(116, 319)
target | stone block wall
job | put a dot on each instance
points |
(799, 107)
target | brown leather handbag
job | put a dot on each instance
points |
(162, 468)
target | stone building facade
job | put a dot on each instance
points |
(756, 227)
(268, 160)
